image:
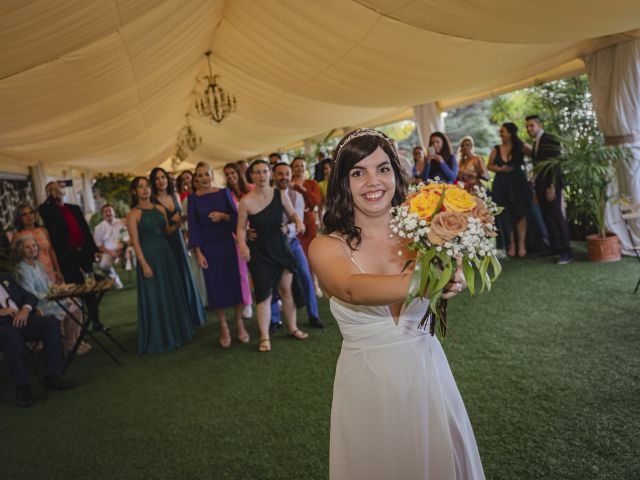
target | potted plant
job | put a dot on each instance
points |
(588, 168)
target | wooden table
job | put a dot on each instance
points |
(78, 294)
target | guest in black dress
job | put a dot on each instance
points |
(511, 189)
(271, 262)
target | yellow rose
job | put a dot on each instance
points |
(424, 203)
(458, 200)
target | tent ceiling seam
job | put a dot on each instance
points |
(390, 16)
(137, 82)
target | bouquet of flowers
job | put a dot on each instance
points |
(447, 226)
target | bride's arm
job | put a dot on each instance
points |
(340, 277)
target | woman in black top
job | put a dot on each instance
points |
(511, 189)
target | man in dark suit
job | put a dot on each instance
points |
(71, 239)
(20, 323)
(548, 185)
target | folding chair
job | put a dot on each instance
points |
(631, 212)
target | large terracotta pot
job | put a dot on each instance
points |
(605, 249)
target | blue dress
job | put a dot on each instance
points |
(176, 243)
(445, 172)
(218, 246)
(163, 313)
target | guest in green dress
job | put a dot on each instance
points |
(163, 313)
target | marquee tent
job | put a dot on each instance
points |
(104, 85)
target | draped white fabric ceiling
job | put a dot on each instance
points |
(105, 84)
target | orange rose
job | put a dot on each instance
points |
(481, 212)
(446, 226)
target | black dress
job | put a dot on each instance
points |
(511, 190)
(270, 253)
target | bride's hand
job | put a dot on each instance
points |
(456, 285)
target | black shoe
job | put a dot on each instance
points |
(58, 383)
(100, 327)
(315, 322)
(565, 259)
(24, 396)
(274, 327)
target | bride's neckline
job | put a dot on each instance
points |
(394, 319)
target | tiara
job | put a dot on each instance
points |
(363, 132)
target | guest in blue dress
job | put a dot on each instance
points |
(440, 161)
(212, 222)
(163, 194)
(163, 313)
(32, 276)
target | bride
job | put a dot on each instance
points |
(396, 411)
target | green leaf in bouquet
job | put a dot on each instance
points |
(433, 301)
(426, 264)
(497, 268)
(440, 202)
(469, 274)
(445, 275)
(484, 267)
(414, 283)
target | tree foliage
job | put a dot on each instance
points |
(113, 187)
(564, 105)
(474, 120)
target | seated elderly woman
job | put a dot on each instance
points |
(32, 277)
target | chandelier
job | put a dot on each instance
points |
(214, 102)
(181, 153)
(188, 137)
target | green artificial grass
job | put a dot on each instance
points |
(547, 364)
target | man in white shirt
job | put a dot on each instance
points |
(282, 176)
(107, 238)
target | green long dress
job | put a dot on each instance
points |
(163, 314)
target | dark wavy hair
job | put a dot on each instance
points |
(132, 190)
(447, 151)
(256, 162)
(339, 215)
(180, 182)
(17, 217)
(152, 179)
(321, 165)
(517, 146)
(242, 184)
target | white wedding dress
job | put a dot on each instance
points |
(397, 413)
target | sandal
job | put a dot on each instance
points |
(264, 348)
(225, 342)
(244, 338)
(299, 334)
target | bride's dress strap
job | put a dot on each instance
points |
(349, 251)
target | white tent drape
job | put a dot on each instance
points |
(428, 120)
(614, 79)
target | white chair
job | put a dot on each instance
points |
(631, 212)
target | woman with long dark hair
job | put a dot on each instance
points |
(396, 409)
(163, 314)
(238, 187)
(440, 161)
(163, 194)
(184, 184)
(511, 189)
